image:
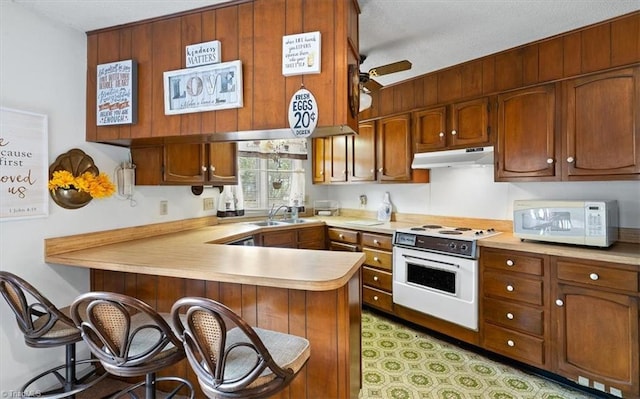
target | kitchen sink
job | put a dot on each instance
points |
(267, 223)
(293, 221)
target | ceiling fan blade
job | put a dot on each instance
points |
(390, 68)
(372, 85)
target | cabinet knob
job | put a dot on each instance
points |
(375, 278)
(594, 276)
(375, 297)
(559, 302)
(376, 242)
(212, 168)
(510, 262)
(549, 161)
(510, 288)
(372, 170)
(321, 172)
(376, 259)
(204, 168)
(511, 343)
(380, 170)
(510, 316)
(441, 135)
(341, 235)
(570, 159)
(453, 132)
(344, 172)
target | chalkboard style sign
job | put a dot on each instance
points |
(117, 102)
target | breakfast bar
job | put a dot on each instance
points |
(315, 294)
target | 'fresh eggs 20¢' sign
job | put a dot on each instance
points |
(303, 113)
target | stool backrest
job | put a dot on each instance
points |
(35, 314)
(123, 331)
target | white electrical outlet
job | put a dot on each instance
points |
(164, 207)
(207, 204)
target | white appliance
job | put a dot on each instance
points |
(476, 156)
(435, 271)
(592, 223)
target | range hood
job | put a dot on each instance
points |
(462, 157)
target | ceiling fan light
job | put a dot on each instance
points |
(365, 101)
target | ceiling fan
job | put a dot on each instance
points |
(367, 84)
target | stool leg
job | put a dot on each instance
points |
(70, 369)
(150, 386)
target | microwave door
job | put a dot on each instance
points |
(556, 221)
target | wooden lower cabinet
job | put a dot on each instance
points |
(575, 318)
(377, 272)
(301, 238)
(515, 290)
(596, 314)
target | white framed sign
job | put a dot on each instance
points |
(117, 102)
(303, 113)
(204, 88)
(24, 159)
(301, 54)
(202, 54)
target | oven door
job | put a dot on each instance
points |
(438, 285)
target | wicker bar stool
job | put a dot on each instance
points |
(130, 339)
(236, 360)
(45, 326)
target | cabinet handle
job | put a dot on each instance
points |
(212, 168)
(510, 316)
(510, 262)
(376, 242)
(341, 235)
(375, 297)
(321, 172)
(549, 161)
(559, 302)
(380, 170)
(376, 259)
(594, 276)
(570, 159)
(204, 168)
(375, 278)
(441, 135)
(511, 343)
(510, 288)
(453, 132)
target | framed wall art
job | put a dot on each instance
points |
(24, 164)
(206, 88)
(117, 93)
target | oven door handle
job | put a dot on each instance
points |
(423, 260)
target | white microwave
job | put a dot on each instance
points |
(593, 223)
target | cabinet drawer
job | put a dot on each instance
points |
(287, 239)
(600, 276)
(343, 235)
(514, 316)
(511, 286)
(514, 344)
(511, 261)
(377, 241)
(377, 298)
(381, 259)
(338, 246)
(377, 278)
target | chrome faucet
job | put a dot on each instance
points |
(273, 211)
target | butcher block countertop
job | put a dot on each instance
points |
(193, 251)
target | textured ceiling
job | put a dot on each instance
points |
(432, 34)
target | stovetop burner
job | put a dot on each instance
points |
(462, 232)
(431, 226)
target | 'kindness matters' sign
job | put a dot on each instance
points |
(23, 165)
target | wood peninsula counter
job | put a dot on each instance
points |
(311, 293)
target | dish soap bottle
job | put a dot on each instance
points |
(384, 211)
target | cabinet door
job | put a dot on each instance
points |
(184, 163)
(602, 133)
(429, 129)
(394, 149)
(469, 123)
(223, 163)
(598, 337)
(321, 156)
(361, 153)
(527, 135)
(338, 158)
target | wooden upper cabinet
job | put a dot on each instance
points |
(214, 163)
(429, 129)
(223, 163)
(361, 153)
(249, 31)
(338, 159)
(394, 148)
(320, 159)
(602, 126)
(526, 142)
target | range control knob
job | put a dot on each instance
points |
(452, 245)
(464, 247)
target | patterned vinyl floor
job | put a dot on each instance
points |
(401, 363)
